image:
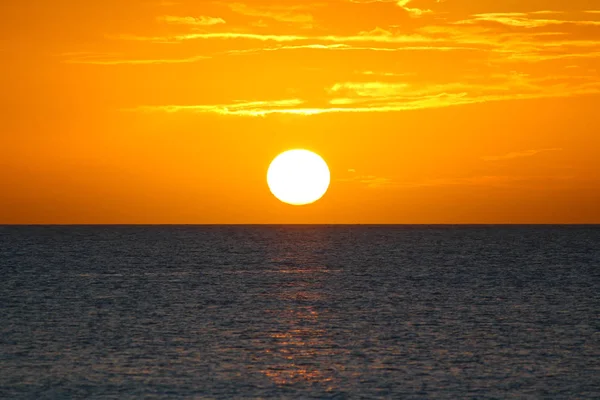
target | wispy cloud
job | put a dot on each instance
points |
(248, 108)
(361, 92)
(519, 154)
(194, 21)
(546, 12)
(403, 95)
(285, 14)
(338, 46)
(300, 107)
(369, 89)
(364, 37)
(386, 74)
(404, 4)
(413, 11)
(349, 47)
(105, 59)
(384, 97)
(522, 20)
(118, 59)
(509, 41)
(502, 47)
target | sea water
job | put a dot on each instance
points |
(403, 312)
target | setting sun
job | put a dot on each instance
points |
(298, 177)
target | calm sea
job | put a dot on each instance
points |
(403, 312)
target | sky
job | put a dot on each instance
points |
(427, 111)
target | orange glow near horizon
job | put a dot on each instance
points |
(426, 111)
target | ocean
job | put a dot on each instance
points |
(401, 312)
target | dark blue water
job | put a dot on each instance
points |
(299, 312)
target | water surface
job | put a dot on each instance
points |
(409, 312)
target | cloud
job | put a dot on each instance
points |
(520, 44)
(382, 96)
(546, 12)
(539, 57)
(277, 13)
(252, 108)
(521, 154)
(369, 89)
(529, 54)
(361, 92)
(404, 4)
(376, 32)
(108, 59)
(196, 21)
(364, 37)
(386, 74)
(385, 97)
(495, 41)
(414, 12)
(522, 20)
(298, 107)
(338, 46)
(347, 47)
(507, 37)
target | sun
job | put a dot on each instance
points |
(298, 177)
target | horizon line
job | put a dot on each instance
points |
(508, 224)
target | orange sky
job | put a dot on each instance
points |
(447, 111)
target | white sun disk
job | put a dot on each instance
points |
(298, 177)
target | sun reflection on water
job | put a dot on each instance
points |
(300, 354)
(301, 349)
